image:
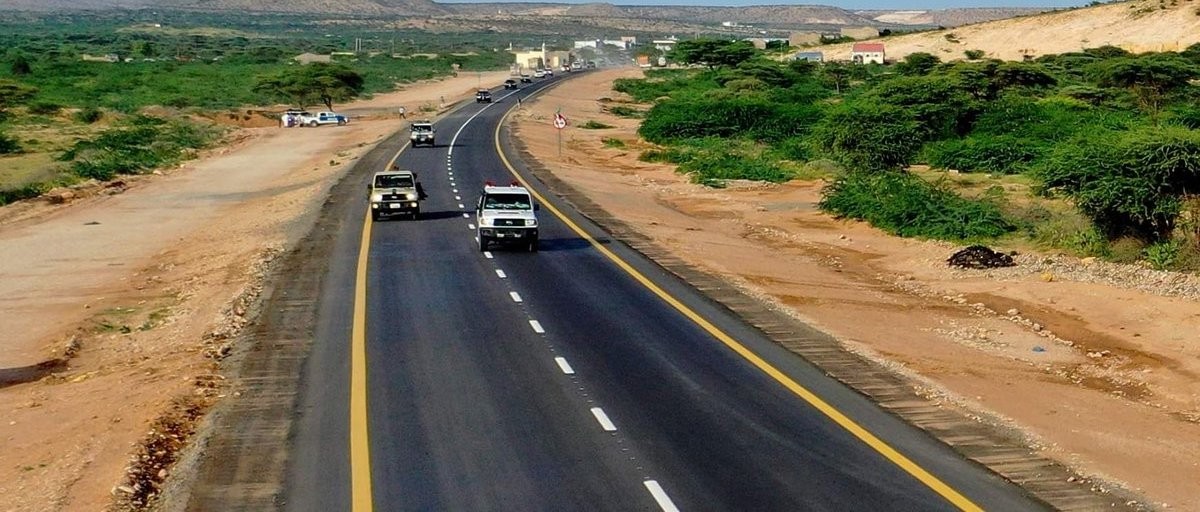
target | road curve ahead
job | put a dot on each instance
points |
(580, 377)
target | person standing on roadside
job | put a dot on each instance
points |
(402, 112)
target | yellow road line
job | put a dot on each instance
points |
(360, 446)
(864, 435)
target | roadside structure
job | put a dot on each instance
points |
(867, 53)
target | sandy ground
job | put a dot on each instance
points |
(1138, 26)
(140, 282)
(1101, 374)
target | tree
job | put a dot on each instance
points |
(319, 81)
(917, 64)
(836, 74)
(712, 53)
(20, 65)
(1150, 77)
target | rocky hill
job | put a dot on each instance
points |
(775, 17)
(365, 7)
(1138, 26)
(948, 17)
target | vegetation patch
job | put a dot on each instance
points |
(137, 146)
(1101, 144)
(905, 205)
(592, 124)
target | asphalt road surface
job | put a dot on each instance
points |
(579, 377)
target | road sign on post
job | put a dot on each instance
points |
(560, 122)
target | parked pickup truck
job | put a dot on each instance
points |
(322, 118)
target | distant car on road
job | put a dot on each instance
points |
(539, 74)
(510, 84)
(525, 79)
(483, 96)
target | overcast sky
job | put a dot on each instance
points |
(845, 4)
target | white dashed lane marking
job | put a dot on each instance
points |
(515, 296)
(487, 254)
(562, 364)
(458, 198)
(470, 226)
(466, 216)
(664, 501)
(605, 423)
(537, 327)
(501, 274)
(461, 206)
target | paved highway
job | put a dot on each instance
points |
(580, 377)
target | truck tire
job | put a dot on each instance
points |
(483, 243)
(533, 246)
(375, 215)
(416, 214)
(312, 124)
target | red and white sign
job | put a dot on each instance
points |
(560, 122)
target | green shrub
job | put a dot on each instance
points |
(974, 54)
(29, 191)
(610, 142)
(627, 112)
(591, 124)
(1163, 255)
(941, 106)
(752, 118)
(714, 166)
(905, 205)
(984, 153)
(88, 115)
(9, 145)
(44, 108)
(867, 136)
(666, 155)
(138, 145)
(1128, 182)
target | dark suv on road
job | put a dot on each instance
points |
(483, 96)
(510, 84)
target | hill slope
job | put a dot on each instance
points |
(1138, 26)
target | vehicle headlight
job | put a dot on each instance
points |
(485, 222)
(411, 196)
(376, 197)
(531, 223)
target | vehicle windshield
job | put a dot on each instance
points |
(506, 202)
(394, 181)
(422, 127)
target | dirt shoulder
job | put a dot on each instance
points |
(117, 305)
(1096, 364)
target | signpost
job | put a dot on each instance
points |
(560, 122)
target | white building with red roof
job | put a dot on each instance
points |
(866, 53)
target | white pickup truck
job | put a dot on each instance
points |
(322, 118)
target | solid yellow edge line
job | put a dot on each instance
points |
(360, 446)
(897, 458)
